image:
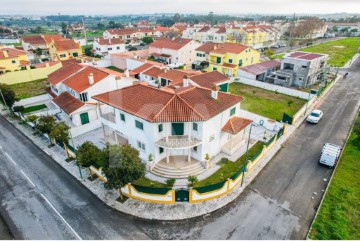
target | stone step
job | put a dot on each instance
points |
(195, 165)
(178, 173)
(182, 175)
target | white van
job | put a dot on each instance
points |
(330, 155)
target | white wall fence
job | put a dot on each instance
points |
(37, 100)
(79, 130)
(9, 41)
(272, 87)
(103, 63)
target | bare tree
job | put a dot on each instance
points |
(307, 27)
(238, 37)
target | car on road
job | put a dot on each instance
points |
(282, 45)
(314, 116)
(275, 46)
(330, 155)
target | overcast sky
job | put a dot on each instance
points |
(114, 7)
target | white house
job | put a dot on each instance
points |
(72, 88)
(106, 47)
(174, 129)
(174, 50)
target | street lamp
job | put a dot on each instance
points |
(2, 96)
(76, 160)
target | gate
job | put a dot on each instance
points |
(182, 195)
(287, 119)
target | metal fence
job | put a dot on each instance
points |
(210, 188)
(151, 190)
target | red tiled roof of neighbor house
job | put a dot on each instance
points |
(49, 91)
(43, 65)
(180, 27)
(236, 124)
(68, 103)
(63, 73)
(209, 79)
(35, 40)
(207, 47)
(11, 53)
(261, 67)
(66, 44)
(80, 80)
(229, 65)
(24, 63)
(166, 105)
(113, 41)
(168, 43)
(176, 76)
(221, 30)
(49, 38)
(154, 72)
(142, 68)
(304, 55)
(204, 29)
(121, 31)
(229, 48)
(161, 29)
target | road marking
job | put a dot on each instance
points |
(77, 235)
(11, 159)
(27, 177)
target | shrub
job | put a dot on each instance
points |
(290, 102)
(192, 180)
(170, 182)
(19, 108)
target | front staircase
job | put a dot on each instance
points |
(169, 170)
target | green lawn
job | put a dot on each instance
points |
(95, 33)
(339, 215)
(145, 182)
(115, 69)
(34, 108)
(266, 103)
(229, 168)
(340, 51)
(29, 89)
(277, 56)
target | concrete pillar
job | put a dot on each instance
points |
(189, 155)
(116, 138)
(189, 132)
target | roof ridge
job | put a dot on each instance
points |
(202, 117)
(162, 109)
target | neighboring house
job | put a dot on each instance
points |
(65, 49)
(211, 34)
(202, 56)
(76, 28)
(129, 35)
(36, 47)
(210, 79)
(151, 75)
(228, 57)
(175, 76)
(106, 47)
(173, 126)
(12, 60)
(72, 88)
(174, 50)
(259, 71)
(300, 69)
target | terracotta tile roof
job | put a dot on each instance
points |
(120, 31)
(24, 63)
(66, 44)
(236, 124)
(221, 30)
(113, 41)
(229, 48)
(207, 47)
(161, 29)
(204, 29)
(49, 91)
(166, 105)
(175, 76)
(67, 102)
(142, 68)
(49, 38)
(180, 27)
(154, 72)
(35, 40)
(63, 73)
(168, 43)
(209, 79)
(304, 55)
(229, 65)
(43, 65)
(261, 67)
(80, 82)
(11, 53)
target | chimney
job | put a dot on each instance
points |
(91, 79)
(117, 78)
(185, 81)
(173, 38)
(126, 72)
(109, 41)
(165, 70)
(5, 53)
(214, 92)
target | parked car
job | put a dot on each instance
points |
(275, 46)
(330, 155)
(282, 45)
(314, 116)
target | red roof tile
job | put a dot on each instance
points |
(236, 124)
(154, 72)
(207, 47)
(175, 76)
(66, 44)
(162, 105)
(142, 68)
(209, 79)
(55, 37)
(63, 73)
(11, 53)
(229, 48)
(67, 102)
(113, 41)
(168, 43)
(35, 40)
(304, 55)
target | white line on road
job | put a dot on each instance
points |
(77, 235)
(11, 159)
(27, 177)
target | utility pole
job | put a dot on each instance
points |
(86, 43)
(76, 159)
(2, 96)
(292, 27)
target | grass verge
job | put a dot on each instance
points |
(34, 108)
(265, 102)
(339, 214)
(29, 89)
(115, 69)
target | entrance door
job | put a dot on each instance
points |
(182, 195)
(177, 129)
(84, 118)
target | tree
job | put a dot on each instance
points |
(308, 27)
(268, 53)
(38, 29)
(33, 119)
(170, 182)
(238, 37)
(88, 154)
(171, 34)
(64, 28)
(192, 180)
(19, 108)
(100, 26)
(177, 17)
(124, 165)
(8, 95)
(147, 40)
(45, 124)
(60, 133)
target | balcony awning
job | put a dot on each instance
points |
(235, 125)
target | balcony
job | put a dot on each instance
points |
(178, 142)
(109, 117)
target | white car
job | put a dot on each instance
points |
(282, 45)
(314, 116)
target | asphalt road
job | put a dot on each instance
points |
(277, 205)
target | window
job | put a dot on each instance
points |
(84, 97)
(122, 117)
(160, 127)
(109, 48)
(214, 68)
(211, 138)
(72, 92)
(141, 145)
(232, 111)
(62, 55)
(240, 62)
(75, 54)
(139, 125)
(195, 126)
(304, 67)
(118, 47)
(161, 150)
(230, 61)
(218, 60)
(195, 148)
(13, 61)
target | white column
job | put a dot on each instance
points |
(116, 137)
(189, 131)
(165, 125)
(167, 155)
(189, 156)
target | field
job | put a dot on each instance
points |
(266, 103)
(339, 215)
(29, 89)
(340, 51)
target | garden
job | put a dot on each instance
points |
(29, 89)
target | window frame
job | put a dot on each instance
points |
(139, 125)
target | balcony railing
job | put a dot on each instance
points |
(178, 142)
(109, 117)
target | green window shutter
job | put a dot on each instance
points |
(160, 128)
(214, 68)
(195, 126)
(230, 61)
(122, 117)
(232, 111)
(218, 60)
(161, 150)
(177, 129)
(139, 125)
(240, 62)
(84, 117)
